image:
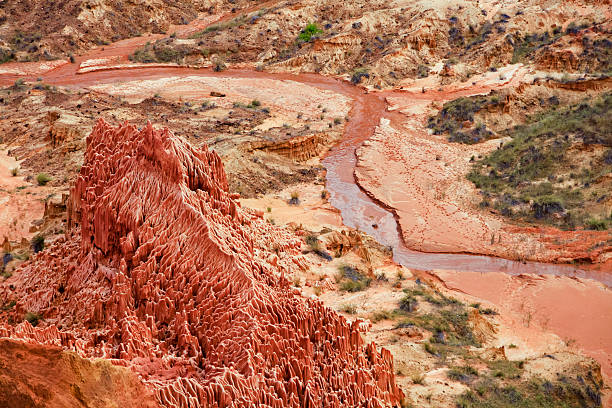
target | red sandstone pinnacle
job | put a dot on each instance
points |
(163, 271)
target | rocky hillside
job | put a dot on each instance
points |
(554, 160)
(383, 43)
(36, 30)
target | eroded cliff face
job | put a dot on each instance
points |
(164, 272)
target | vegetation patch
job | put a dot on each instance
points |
(161, 51)
(359, 74)
(532, 177)
(38, 243)
(465, 374)
(310, 32)
(567, 392)
(525, 46)
(351, 279)
(33, 318)
(456, 118)
(43, 178)
(447, 321)
(238, 21)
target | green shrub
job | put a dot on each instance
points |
(219, 65)
(597, 225)
(307, 34)
(351, 280)
(422, 71)
(43, 178)
(505, 369)
(381, 315)
(408, 303)
(359, 74)
(313, 242)
(418, 379)
(465, 374)
(453, 114)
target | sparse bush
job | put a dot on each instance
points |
(351, 280)
(408, 303)
(349, 308)
(525, 46)
(505, 368)
(14, 171)
(535, 392)
(295, 198)
(313, 242)
(32, 318)
(524, 177)
(219, 65)
(359, 74)
(382, 277)
(597, 225)
(38, 243)
(9, 305)
(465, 374)
(381, 315)
(418, 379)
(422, 71)
(43, 178)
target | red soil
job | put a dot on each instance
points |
(577, 310)
(171, 277)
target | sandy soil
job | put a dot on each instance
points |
(312, 212)
(21, 203)
(286, 99)
(30, 68)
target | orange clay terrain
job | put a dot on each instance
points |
(306, 204)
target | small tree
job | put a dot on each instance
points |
(307, 34)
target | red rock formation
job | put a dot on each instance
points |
(162, 271)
